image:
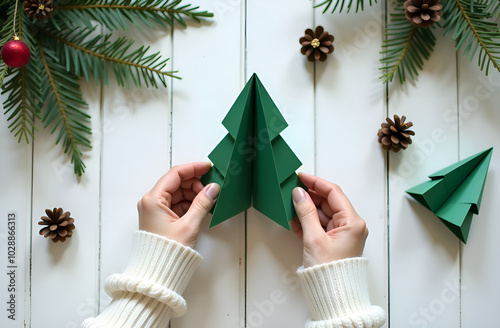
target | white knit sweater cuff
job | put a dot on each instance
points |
(160, 269)
(337, 295)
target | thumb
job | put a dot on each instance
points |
(307, 213)
(202, 204)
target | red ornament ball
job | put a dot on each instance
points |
(15, 53)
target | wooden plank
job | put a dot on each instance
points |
(135, 154)
(211, 82)
(479, 119)
(274, 297)
(15, 231)
(350, 104)
(66, 273)
(423, 253)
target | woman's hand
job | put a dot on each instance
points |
(177, 204)
(327, 223)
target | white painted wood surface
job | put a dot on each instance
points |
(419, 272)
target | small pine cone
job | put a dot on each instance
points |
(423, 13)
(317, 44)
(59, 225)
(39, 9)
(394, 134)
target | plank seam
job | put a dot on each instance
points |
(30, 268)
(171, 117)
(460, 246)
(101, 156)
(245, 65)
(315, 103)
(387, 184)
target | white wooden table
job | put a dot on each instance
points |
(419, 272)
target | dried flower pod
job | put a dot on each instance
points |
(39, 9)
(316, 45)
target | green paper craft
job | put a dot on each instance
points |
(455, 193)
(253, 162)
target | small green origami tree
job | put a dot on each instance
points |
(455, 192)
(254, 160)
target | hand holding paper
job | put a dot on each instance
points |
(177, 204)
(327, 222)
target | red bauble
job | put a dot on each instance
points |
(15, 53)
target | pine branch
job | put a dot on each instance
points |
(405, 47)
(360, 4)
(84, 54)
(115, 14)
(3, 70)
(64, 108)
(493, 7)
(22, 85)
(7, 32)
(23, 101)
(472, 31)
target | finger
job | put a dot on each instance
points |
(188, 183)
(172, 180)
(181, 208)
(202, 204)
(306, 212)
(320, 186)
(197, 186)
(193, 184)
(325, 207)
(296, 227)
(189, 195)
(317, 199)
(183, 195)
(323, 218)
(337, 200)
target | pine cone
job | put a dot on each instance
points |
(394, 135)
(423, 13)
(316, 45)
(59, 225)
(40, 9)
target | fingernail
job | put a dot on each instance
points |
(298, 195)
(213, 190)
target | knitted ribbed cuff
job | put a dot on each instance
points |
(132, 310)
(337, 295)
(160, 269)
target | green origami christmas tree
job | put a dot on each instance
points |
(455, 192)
(253, 163)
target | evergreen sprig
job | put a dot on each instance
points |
(65, 48)
(85, 55)
(360, 4)
(115, 14)
(3, 71)
(469, 23)
(405, 47)
(21, 84)
(64, 107)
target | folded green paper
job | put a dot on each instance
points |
(454, 193)
(252, 163)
